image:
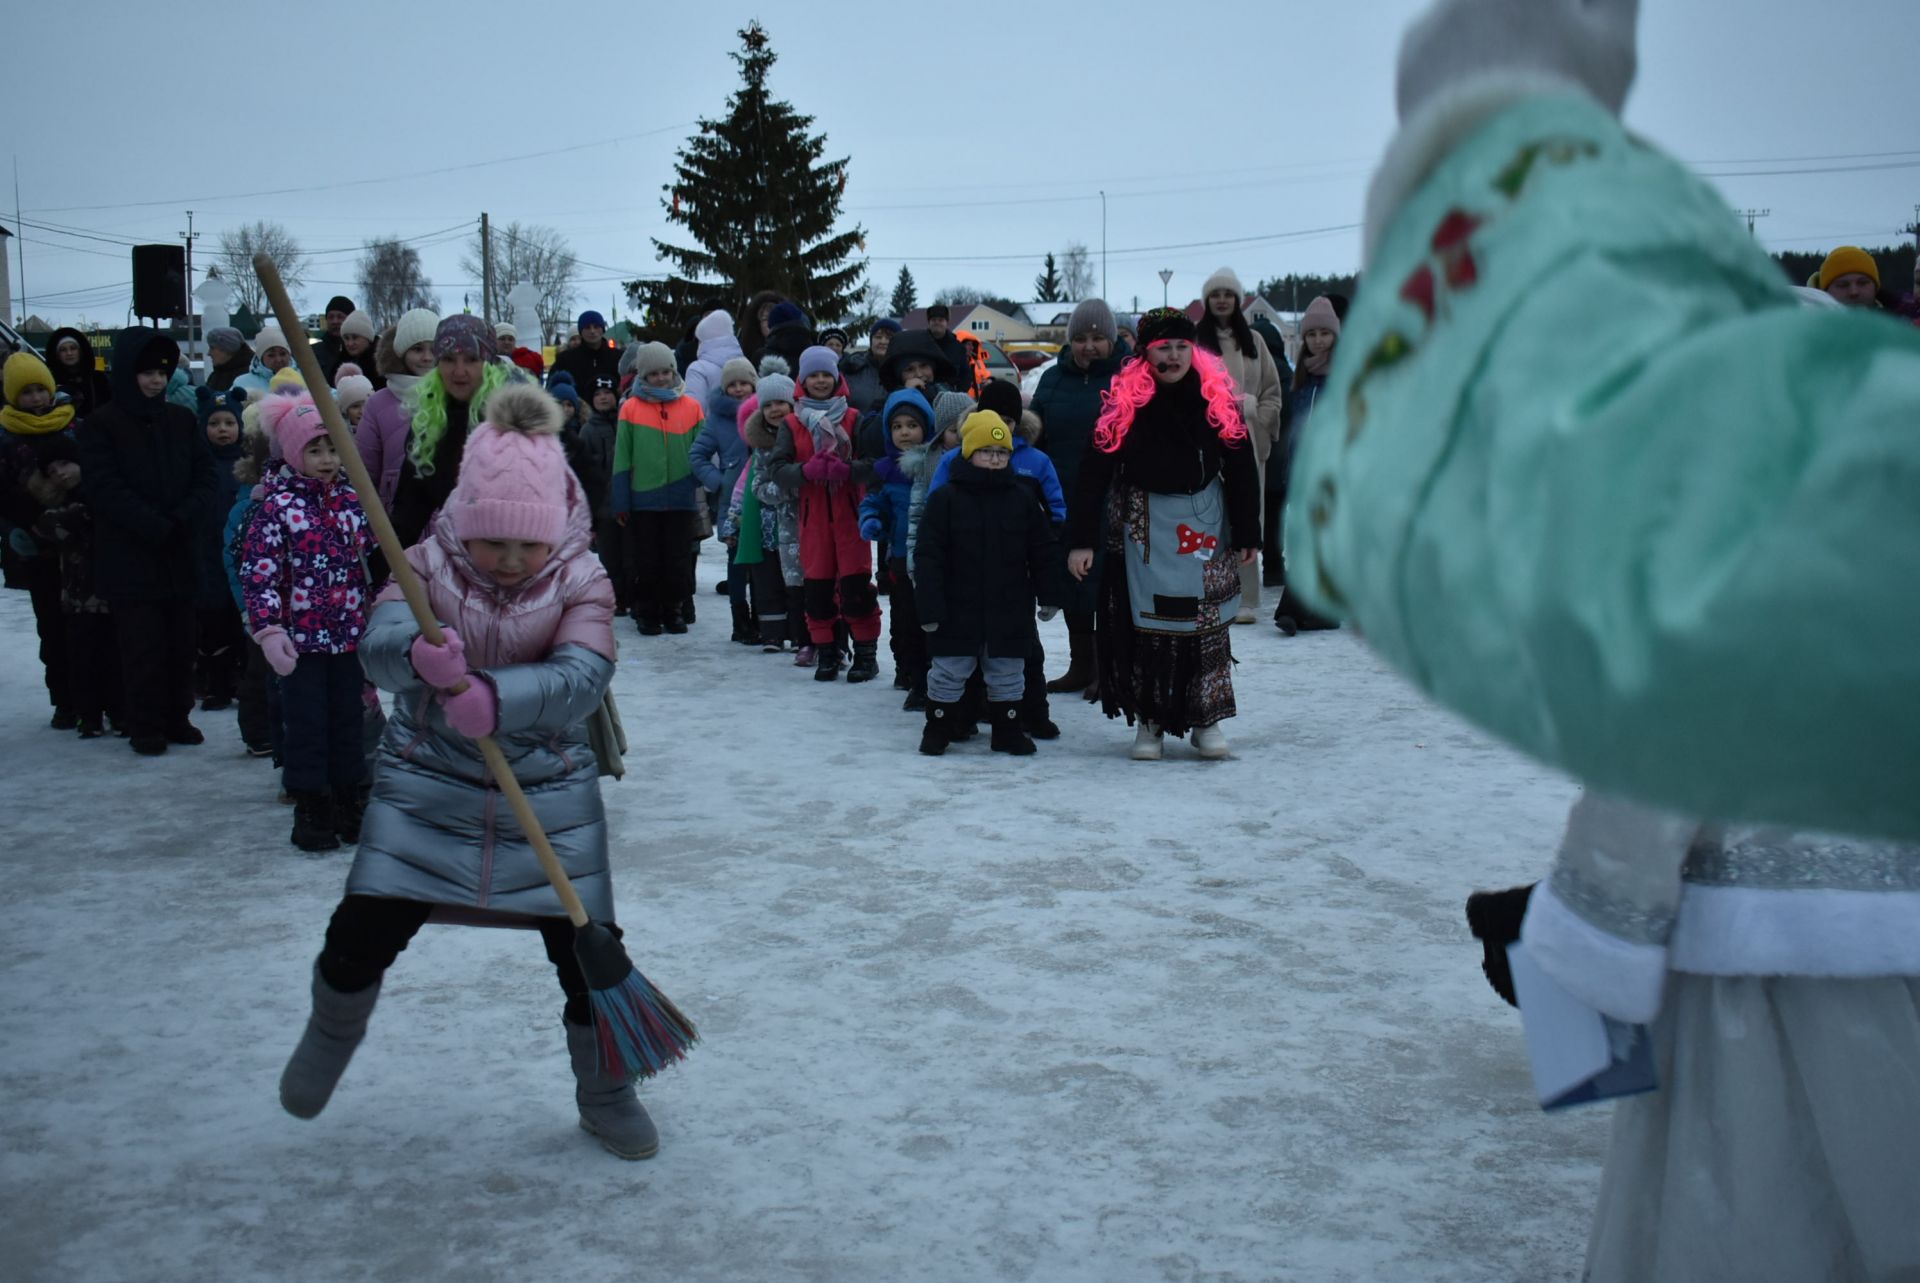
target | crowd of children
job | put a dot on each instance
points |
(227, 561)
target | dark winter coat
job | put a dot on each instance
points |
(221, 376)
(147, 474)
(961, 361)
(86, 386)
(417, 498)
(212, 539)
(1171, 448)
(787, 342)
(865, 392)
(593, 463)
(27, 494)
(985, 555)
(753, 340)
(586, 364)
(330, 350)
(1067, 403)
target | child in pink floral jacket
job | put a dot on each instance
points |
(305, 585)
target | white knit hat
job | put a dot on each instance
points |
(1224, 279)
(357, 322)
(270, 337)
(417, 326)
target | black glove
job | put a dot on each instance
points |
(1494, 918)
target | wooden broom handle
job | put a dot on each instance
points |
(410, 586)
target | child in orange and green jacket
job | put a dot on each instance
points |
(656, 499)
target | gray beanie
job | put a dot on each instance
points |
(774, 387)
(647, 358)
(1224, 279)
(226, 338)
(736, 370)
(415, 327)
(951, 408)
(1092, 316)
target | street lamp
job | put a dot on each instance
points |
(1166, 274)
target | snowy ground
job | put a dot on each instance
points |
(1072, 1018)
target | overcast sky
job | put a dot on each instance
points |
(979, 135)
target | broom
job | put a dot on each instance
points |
(639, 1030)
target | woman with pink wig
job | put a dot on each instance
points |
(1175, 476)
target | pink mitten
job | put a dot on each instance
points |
(827, 469)
(278, 648)
(475, 711)
(441, 666)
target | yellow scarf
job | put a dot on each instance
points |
(20, 423)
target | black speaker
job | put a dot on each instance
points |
(160, 281)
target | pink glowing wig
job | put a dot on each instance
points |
(1135, 385)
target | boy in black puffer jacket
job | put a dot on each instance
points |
(148, 477)
(986, 552)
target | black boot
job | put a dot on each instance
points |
(743, 630)
(1079, 661)
(826, 663)
(916, 700)
(866, 662)
(649, 625)
(1036, 716)
(1007, 735)
(686, 613)
(677, 621)
(934, 739)
(348, 807)
(313, 822)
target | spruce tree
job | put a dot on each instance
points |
(903, 300)
(1046, 286)
(753, 192)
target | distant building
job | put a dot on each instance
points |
(978, 320)
(1049, 320)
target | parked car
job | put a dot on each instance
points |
(1030, 381)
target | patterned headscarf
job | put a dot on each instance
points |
(464, 332)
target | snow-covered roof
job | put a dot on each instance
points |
(1047, 314)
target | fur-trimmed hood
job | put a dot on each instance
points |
(757, 432)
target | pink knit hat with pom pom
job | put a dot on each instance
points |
(293, 420)
(350, 386)
(513, 477)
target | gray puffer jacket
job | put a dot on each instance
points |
(436, 828)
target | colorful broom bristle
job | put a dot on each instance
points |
(639, 1030)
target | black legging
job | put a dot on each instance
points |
(368, 932)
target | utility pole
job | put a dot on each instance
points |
(1914, 228)
(1751, 214)
(190, 236)
(486, 270)
(20, 246)
(1103, 244)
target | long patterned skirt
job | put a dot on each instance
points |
(1167, 659)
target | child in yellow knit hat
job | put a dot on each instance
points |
(986, 553)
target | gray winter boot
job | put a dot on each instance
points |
(609, 1107)
(338, 1023)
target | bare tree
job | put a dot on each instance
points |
(1076, 271)
(528, 252)
(238, 245)
(392, 281)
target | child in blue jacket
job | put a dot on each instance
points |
(884, 515)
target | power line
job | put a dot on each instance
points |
(391, 178)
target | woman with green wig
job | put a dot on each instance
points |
(447, 403)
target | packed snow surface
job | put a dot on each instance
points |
(971, 1018)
